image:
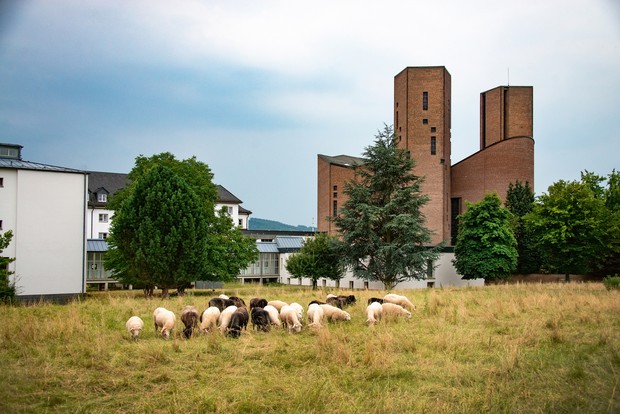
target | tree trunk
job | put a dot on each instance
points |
(165, 293)
(315, 284)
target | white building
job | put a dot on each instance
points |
(44, 206)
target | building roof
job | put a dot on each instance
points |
(343, 160)
(225, 196)
(96, 245)
(111, 182)
(281, 244)
(267, 247)
(244, 211)
(18, 164)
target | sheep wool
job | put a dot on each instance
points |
(209, 319)
(278, 304)
(274, 315)
(134, 325)
(315, 315)
(225, 316)
(374, 312)
(399, 300)
(289, 318)
(164, 319)
(332, 313)
(394, 309)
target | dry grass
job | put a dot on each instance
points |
(518, 349)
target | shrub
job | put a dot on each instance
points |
(612, 282)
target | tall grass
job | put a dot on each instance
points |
(518, 349)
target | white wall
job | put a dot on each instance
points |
(49, 242)
(94, 226)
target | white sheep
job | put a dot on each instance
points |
(399, 300)
(332, 313)
(289, 318)
(223, 296)
(394, 309)
(209, 319)
(274, 315)
(225, 316)
(299, 310)
(278, 304)
(315, 315)
(374, 312)
(164, 319)
(134, 325)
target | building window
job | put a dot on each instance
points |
(103, 235)
(433, 145)
(1, 182)
(240, 222)
(366, 284)
(335, 208)
(0, 224)
(103, 218)
(424, 101)
(102, 198)
(335, 188)
(230, 210)
(429, 269)
(335, 194)
(350, 284)
(425, 121)
(433, 129)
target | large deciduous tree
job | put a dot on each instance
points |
(569, 226)
(485, 246)
(384, 237)
(317, 258)
(226, 248)
(159, 236)
(520, 201)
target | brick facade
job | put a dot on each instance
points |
(422, 122)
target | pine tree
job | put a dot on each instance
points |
(384, 237)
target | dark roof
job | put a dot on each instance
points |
(244, 211)
(343, 160)
(112, 182)
(225, 196)
(29, 165)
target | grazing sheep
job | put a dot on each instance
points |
(134, 325)
(318, 302)
(330, 295)
(374, 312)
(394, 309)
(225, 317)
(315, 315)
(378, 300)
(189, 316)
(257, 303)
(278, 304)
(289, 318)
(237, 301)
(238, 322)
(164, 319)
(208, 319)
(274, 315)
(399, 300)
(260, 319)
(333, 313)
(335, 301)
(341, 301)
(299, 310)
(220, 303)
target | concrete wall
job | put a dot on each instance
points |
(48, 223)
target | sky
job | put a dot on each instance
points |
(257, 89)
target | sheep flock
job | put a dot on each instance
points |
(230, 316)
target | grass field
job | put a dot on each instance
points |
(548, 348)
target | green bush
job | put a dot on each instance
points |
(612, 282)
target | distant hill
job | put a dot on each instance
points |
(264, 224)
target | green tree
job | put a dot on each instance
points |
(227, 249)
(160, 233)
(568, 225)
(520, 201)
(317, 258)
(485, 246)
(7, 288)
(384, 237)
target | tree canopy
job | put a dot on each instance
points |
(485, 246)
(215, 248)
(7, 289)
(520, 201)
(569, 225)
(384, 237)
(318, 257)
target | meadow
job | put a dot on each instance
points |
(538, 348)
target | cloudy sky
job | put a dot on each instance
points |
(256, 89)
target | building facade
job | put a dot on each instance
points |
(422, 124)
(45, 208)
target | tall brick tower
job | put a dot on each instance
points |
(505, 112)
(422, 122)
